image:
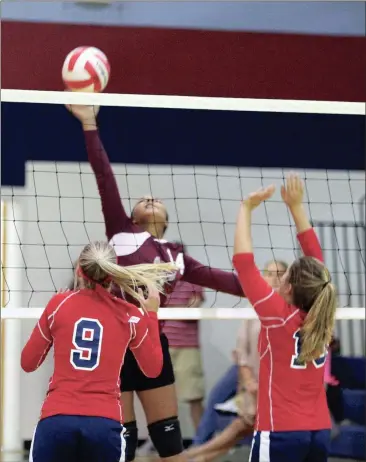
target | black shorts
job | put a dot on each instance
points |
(133, 379)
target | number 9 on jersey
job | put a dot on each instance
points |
(87, 340)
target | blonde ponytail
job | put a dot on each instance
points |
(316, 332)
(130, 278)
(313, 292)
(98, 263)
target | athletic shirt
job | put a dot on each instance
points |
(90, 331)
(183, 334)
(135, 246)
(291, 395)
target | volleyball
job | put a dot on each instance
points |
(86, 69)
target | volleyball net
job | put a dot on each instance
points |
(194, 154)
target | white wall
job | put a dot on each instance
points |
(62, 211)
(343, 18)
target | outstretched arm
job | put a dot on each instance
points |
(270, 307)
(115, 217)
(292, 194)
(212, 278)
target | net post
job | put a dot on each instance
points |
(12, 444)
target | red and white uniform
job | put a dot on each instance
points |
(90, 331)
(291, 396)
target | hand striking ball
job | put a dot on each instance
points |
(86, 69)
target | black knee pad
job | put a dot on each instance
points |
(131, 439)
(166, 437)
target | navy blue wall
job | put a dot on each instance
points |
(166, 136)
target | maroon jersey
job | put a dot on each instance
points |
(135, 246)
(90, 331)
(291, 395)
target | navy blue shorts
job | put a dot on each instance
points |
(73, 438)
(304, 446)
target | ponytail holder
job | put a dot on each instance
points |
(326, 283)
(81, 273)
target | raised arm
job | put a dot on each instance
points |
(115, 217)
(292, 194)
(270, 307)
(212, 278)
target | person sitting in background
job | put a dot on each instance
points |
(243, 404)
(245, 371)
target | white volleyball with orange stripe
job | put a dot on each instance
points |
(86, 69)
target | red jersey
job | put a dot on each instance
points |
(134, 246)
(291, 395)
(90, 331)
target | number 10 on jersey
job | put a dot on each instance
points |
(296, 364)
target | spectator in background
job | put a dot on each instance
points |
(244, 371)
(184, 347)
(244, 404)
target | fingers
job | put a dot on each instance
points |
(299, 183)
(283, 192)
(62, 291)
(152, 291)
(270, 190)
(290, 183)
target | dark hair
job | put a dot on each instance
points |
(313, 293)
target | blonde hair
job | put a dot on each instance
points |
(313, 292)
(98, 262)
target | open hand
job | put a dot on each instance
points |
(86, 114)
(63, 291)
(151, 301)
(293, 191)
(256, 198)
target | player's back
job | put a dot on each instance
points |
(292, 395)
(90, 334)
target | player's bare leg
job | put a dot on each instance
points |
(196, 411)
(127, 406)
(221, 443)
(160, 404)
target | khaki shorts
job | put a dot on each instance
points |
(188, 373)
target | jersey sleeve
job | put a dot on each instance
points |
(213, 278)
(271, 308)
(115, 217)
(39, 343)
(145, 345)
(310, 245)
